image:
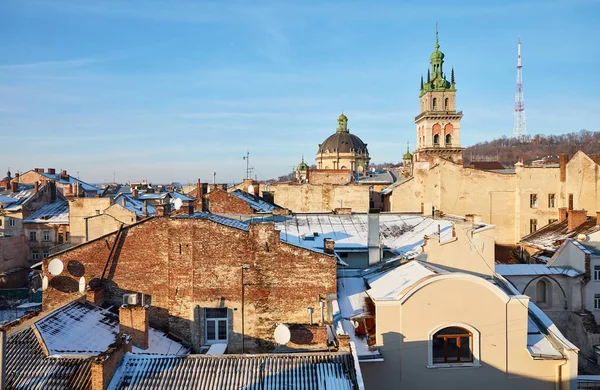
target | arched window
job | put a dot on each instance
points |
(446, 104)
(436, 139)
(540, 293)
(448, 140)
(435, 103)
(452, 345)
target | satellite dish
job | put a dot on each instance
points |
(56, 267)
(177, 203)
(282, 334)
(582, 237)
(44, 283)
(82, 285)
(251, 189)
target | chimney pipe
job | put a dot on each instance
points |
(14, 186)
(373, 236)
(576, 218)
(145, 212)
(322, 305)
(134, 193)
(310, 315)
(36, 186)
(124, 202)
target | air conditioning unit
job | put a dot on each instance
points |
(130, 299)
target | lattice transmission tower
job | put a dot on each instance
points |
(519, 125)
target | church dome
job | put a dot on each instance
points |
(302, 166)
(343, 142)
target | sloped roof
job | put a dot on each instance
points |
(331, 370)
(259, 205)
(534, 269)
(551, 236)
(27, 367)
(12, 201)
(135, 205)
(84, 329)
(57, 177)
(218, 219)
(51, 213)
(385, 177)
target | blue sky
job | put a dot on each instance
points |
(174, 90)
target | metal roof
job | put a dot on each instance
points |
(259, 205)
(534, 269)
(28, 368)
(218, 219)
(51, 213)
(12, 201)
(551, 236)
(135, 205)
(331, 370)
(70, 180)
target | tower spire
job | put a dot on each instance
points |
(519, 125)
(437, 41)
(421, 82)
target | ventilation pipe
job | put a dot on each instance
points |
(310, 315)
(322, 305)
(373, 236)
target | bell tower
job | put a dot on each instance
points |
(438, 123)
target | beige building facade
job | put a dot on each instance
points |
(343, 150)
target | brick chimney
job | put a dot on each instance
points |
(145, 210)
(562, 214)
(133, 320)
(69, 193)
(64, 175)
(162, 210)
(95, 295)
(36, 186)
(103, 366)
(134, 193)
(187, 207)
(14, 186)
(51, 171)
(328, 246)
(576, 218)
(597, 218)
(17, 176)
(123, 202)
(563, 159)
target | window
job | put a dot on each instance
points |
(540, 292)
(552, 221)
(532, 225)
(45, 253)
(436, 139)
(1, 219)
(435, 103)
(46, 235)
(446, 104)
(533, 201)
(215, 325)
(597, 301)
(32, 236)
(452, 345)
(551, 201)
(35, 255)
(597, 272)
(11, 222)
(448, 139)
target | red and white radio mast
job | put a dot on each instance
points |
(519, 125)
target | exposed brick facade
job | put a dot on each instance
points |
(221, 202)
(186, 265)
(575, 218)
(104, 365)
(329, 176)
(133, 321)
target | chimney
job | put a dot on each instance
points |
(63, 175)
(576, 218)
(36, 186)
(14, 186)
(328, 246)
(373, 236)
(69, 193)
(51, 171)
(145, 211)
(94, 295)
(563, 159)
(162, 210)
(562, 214)
(133, 320)
(597, 218)
(187, 207)
(134, 193)
(123, 202)
(17, 176)
(104, 365)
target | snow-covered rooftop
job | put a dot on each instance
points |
(51, 213)
(259, 205)
(551, 236)
(12, 201)
(135, 205)
(70, 180)
(534, 269)
(83, 329)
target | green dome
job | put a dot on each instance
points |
(302, 166)
(436, 56)
(407, 156)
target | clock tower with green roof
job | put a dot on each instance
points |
(438, 124)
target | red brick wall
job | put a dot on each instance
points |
(185, 265)
(222, 202)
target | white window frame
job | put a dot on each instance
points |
(476, 347)
(597, 272)
(35, 255)
(216, 321)
(12, 222)
(596, 301)
(45, 235)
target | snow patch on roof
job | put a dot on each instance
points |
(51, 213)
(534, 269)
